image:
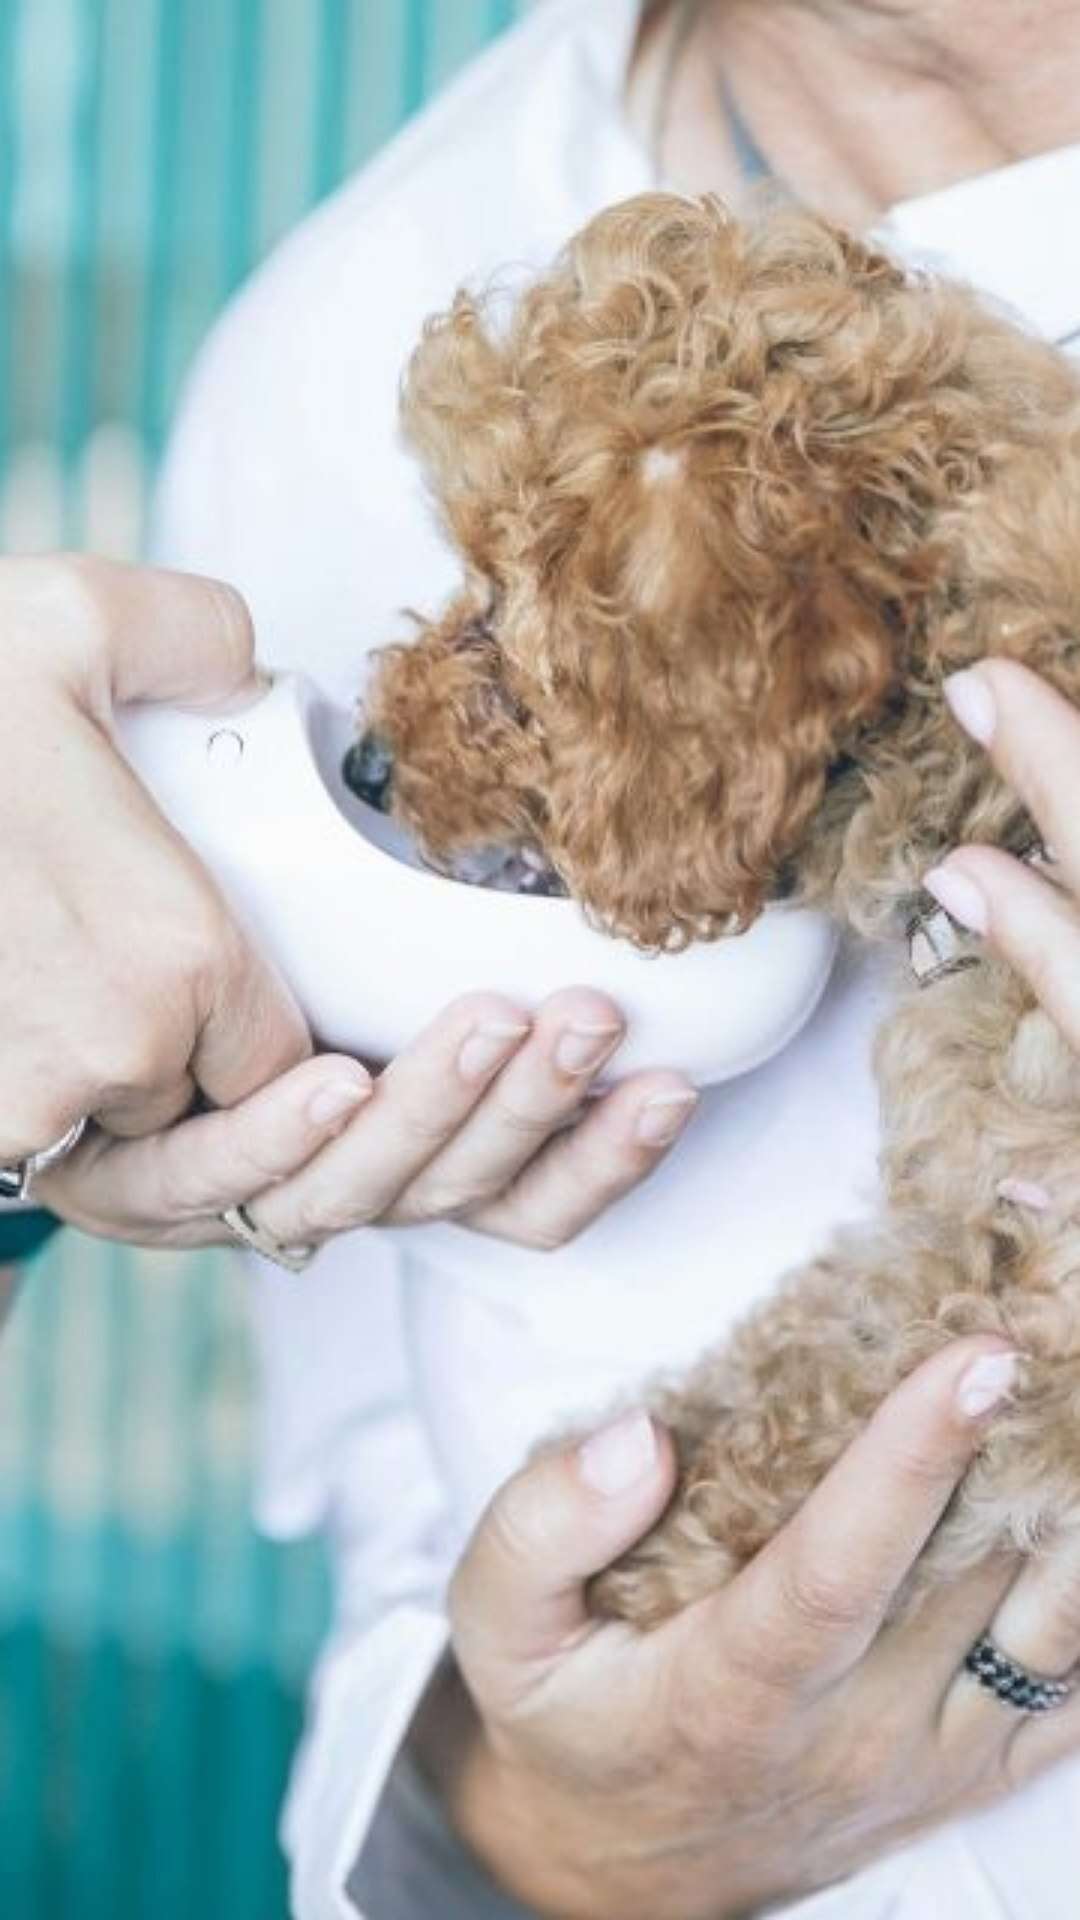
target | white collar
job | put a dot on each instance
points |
(1014, 233)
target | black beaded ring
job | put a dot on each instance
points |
(1007, 1680)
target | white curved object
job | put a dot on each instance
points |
(374, 945)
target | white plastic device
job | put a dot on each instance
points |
(373, 944)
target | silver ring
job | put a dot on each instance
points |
(1008, 1681)
(16, 1178)
(242, 1227)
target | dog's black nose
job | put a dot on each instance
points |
(368, 771)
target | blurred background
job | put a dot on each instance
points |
(152, 1649)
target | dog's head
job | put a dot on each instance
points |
(705, 483)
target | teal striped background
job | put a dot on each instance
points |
(152, 1648)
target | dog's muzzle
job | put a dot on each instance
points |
(368, 771)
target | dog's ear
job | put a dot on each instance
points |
(465, 417)
(687, 769)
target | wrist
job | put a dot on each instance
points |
(557, 1850)
(520, 1834)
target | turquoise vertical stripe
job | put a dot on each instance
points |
(80, 305)
(9, 21)
(160, 263)
(418, 21)
(100, 1699)
(28, 1696)
(331, 95)
(240, 186)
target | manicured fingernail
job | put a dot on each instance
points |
(336, 1100)
(617, 1457)
(959, 896)
(971, 698)
(986, 1384)
(581, 1049)
(489, 1047)
(1024, 1193)
(663, 1118)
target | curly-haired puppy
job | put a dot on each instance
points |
(732, 500)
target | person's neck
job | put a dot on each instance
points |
(858, 104)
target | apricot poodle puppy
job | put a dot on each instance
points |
(732, 499)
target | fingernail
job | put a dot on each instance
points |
(489, 1046)
(581, 1049)
(663, 1118)
(337, 1099)
(959, 896)
(1024, 1193)
(986, 1384)
(972, 701)
(617, 1457)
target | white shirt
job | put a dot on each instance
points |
(402, 1387)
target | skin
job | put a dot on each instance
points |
(796, 1738)
(131, 991)
(861, 105)
(794, 1735)
(777, 1779)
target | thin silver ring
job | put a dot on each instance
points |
(1014, 1685)
(243, 1228)
(16, 1179)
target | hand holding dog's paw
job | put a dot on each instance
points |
(1029, 911)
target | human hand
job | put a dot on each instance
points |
(125, 983)
(1032, 735)
(770, 1739)
(131, 987)
(470, 1123)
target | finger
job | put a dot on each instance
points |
(574, 1034)
(1033, 738)
(193, 1171)
(933, 1638)
(805, 1611)
(251, 1030)
(151, 1113)
(1037, 1624)
(181, 638)
(420, 1101)
(619, 1141)
(518, 1595)
(1040, 1742)
(140, 633)
(1038, 1619)
(1033, 924)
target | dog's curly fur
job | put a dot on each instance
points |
(733, 498)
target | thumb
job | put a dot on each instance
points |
(167, 636)
(518, 1594)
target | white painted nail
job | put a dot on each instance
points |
(959, 896)
(615, 1459)
(971, 698)
(488, 1047)
(663, 1118)
(337, 1100)
(583, 1049)
(986, 1384)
